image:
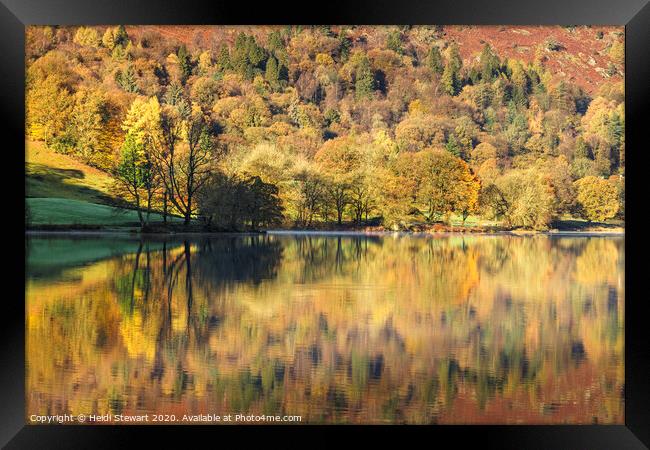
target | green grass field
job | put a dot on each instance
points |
(65, 211)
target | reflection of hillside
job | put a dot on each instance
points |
(456, 329)
(48, 257)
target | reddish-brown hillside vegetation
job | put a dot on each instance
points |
(581, 54)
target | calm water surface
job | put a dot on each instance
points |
(337, 329)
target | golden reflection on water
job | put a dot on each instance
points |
(345, 329)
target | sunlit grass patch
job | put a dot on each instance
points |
(63, 211)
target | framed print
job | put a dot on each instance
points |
(375, 219)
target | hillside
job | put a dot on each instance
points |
(330, 126)
(582, 56)
(61, 190)
(51, 174)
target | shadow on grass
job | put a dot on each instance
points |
(45, 181)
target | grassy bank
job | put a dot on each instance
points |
(53, 175)
(64, 211)
(63, 193)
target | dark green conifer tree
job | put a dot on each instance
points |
(184, 62)
(434, 60)
(272, 74)
(365, 80)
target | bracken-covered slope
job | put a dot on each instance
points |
(584, 55)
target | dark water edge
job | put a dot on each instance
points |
(322, 233)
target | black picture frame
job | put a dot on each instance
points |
(633, 14)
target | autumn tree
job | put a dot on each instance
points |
(340, 158)
(87, 36)
(394, 197)
(232, 202)
(520, 83)
(145, 121)
(49, 105)
(39, 40)
(597, 198)
(87, 125)
(261, 203)
(528, 199)
(49, 97)
(482, 153)
(204, 64)
(219, 203)
(450, 80)
(205, 91)
(311, 196)
(183, 171)
(361, 198)
(493, 202)
(108, 38)
(337, 192)
(447, 185)
(557, 173)
(135, 174)
(115, 37)
(136, 170)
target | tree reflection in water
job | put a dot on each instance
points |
(336, 329)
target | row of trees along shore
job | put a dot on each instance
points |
(305, 126)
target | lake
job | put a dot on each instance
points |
(334, 328)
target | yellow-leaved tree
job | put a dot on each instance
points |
(446, 185)
(597, 198)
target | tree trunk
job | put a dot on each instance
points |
(188, 211)
(165, 207)
(149, 195)
(137, 205)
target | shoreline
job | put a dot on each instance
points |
(288, 232)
